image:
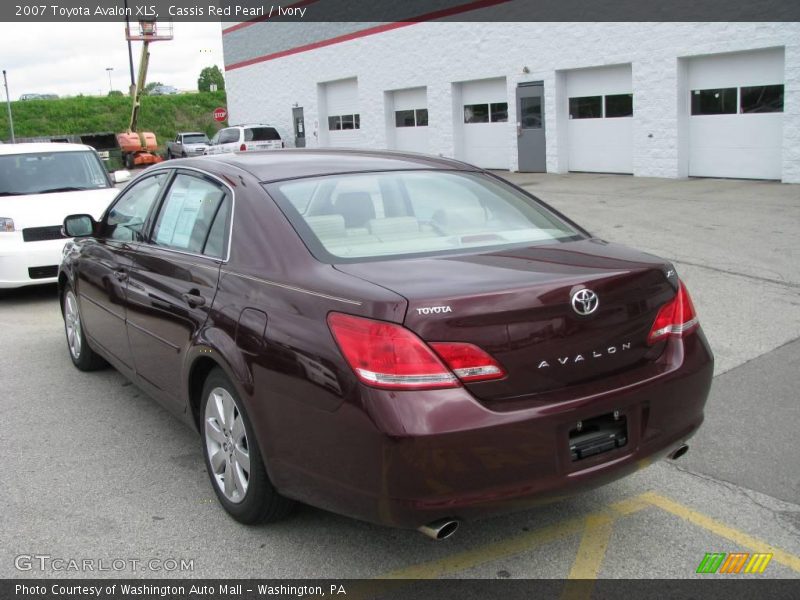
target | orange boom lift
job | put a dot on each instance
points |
(139, 147)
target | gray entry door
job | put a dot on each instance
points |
(530, 127)
(299, 127)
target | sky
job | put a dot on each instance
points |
(71, 58)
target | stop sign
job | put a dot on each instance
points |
(220, 114)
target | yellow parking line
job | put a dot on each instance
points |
(593, 547)
(509, 547)
(591, 552)
(737, 537)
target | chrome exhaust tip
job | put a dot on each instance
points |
(439, 530)
(676, 454)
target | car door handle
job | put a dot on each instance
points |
(120, 275)
(193, 299)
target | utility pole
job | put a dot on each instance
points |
(130, 51)
(8, 104)
(109, 69)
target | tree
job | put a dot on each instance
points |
(149, 87)
(208, 76)
(115, 93)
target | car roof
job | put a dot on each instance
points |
(32, 147)
(277, 165)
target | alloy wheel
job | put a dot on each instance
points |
(72, 322)
(226, 445)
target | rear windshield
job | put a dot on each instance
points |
(261, 134)
(195, 138)
(50, 172)
(346, 218)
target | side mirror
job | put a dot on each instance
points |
(179, 142)
(79, 226)
(121, 176)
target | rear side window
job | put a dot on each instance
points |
(227, 136)
(358, 217)
(188, 216)
(261, 134)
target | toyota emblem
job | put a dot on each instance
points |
(585, 302)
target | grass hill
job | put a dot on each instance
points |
(163, 115)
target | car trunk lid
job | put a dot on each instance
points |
(516, 305)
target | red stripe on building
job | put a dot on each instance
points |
(439, 14)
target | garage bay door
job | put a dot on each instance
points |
(484, 137)
(600, 113)
(341, 110)
(736, 114)
(408, 121)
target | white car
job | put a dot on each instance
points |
(242, 138)
(40, 184)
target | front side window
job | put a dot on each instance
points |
(127, 217)
(411, 213)
(719, 101)
(51, 172)
(187, 214)
(228, 136)
(761, 99)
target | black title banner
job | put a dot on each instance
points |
(406, 10)
(351, 589)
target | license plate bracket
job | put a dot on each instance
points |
(598, 435)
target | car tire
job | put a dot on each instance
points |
(232, 456)
(129, 161)
(169, 155)
(82, 355)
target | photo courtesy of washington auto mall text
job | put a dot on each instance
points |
(399, 300)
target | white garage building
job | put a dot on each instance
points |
(649, 99)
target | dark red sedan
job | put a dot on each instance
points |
(403, 339)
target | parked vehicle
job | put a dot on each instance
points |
(40, 184)
(187, 144)
(164, 90)
(241, 138)
(39, 97)
(403, 339)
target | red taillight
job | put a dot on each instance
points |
(243, 148)
(677, 317)
(386, 355)
(390, 356)
(468, 362)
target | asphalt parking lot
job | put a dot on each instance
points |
(95, 469)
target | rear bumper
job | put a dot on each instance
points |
(17, 257)
(423, 456)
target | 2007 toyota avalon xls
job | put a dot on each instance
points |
(403, 339)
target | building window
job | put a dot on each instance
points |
(586, 107)
(720, 101)
(619, 105)
(499, 112)
(531, 112)
(761, 99)
(476, 113)
(411, 118)
(404, 118)
(496, 112)
(339, 122)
